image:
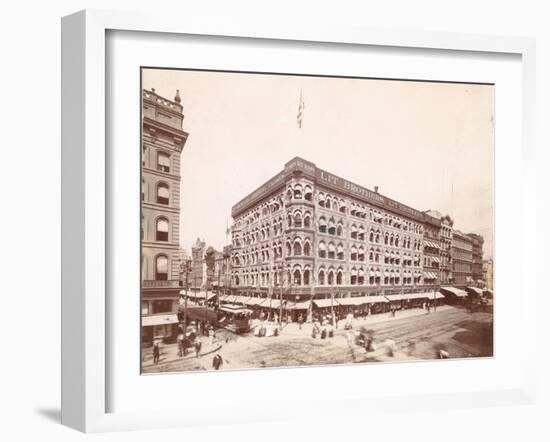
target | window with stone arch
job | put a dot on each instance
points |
(306, 276)
(339, 277)
(307, 248)
(161, 268)
(321, 277)
(330, 278)
(297, 277)
(297, 247)
(322, 250)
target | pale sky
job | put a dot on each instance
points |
(426, 145)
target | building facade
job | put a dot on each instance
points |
(162, 142)
(477, 259)
(308, 234)
(462, 259)
(445, 237)
(206, 267)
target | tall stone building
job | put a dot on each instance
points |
(162, 142)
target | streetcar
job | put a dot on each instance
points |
(231, 317)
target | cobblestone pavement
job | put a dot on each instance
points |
(412, 335)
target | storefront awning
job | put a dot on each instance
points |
(453, 290)
(324, 303)
(396, 297)
(255, 301)
(297, 305)
(412, 296)
(475, 290)
(147, 321)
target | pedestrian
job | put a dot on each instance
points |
(428, 307)
(217, 362)
(156, 353)
(300, 321)
(211, 334)
(180, 344)
(198, 346)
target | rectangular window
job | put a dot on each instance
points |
(163, 162)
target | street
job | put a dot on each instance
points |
(416, 336)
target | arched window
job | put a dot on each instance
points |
(297, 277)
(288, 249)
(322, 225)
(297, 191)
(298, 219)
(163, 162)
(306, 277)
(353, 231)
(339, 229)
(361, 234)
(331, 277)
(321, 277)
(339, 277)
(307, 220)
(328, 201)
(331, 227)
(371, 237)
(386, 238)
(353, 276)
(307, 248)
(297, 248)
(237, 280)
(361, 255)
(161, 268)
(353, 255)
(361, 276)
(308, 193)
(322, 250)
(340, 252)
(162, 229)
(321, 197)
(331, 251)
(342, 206)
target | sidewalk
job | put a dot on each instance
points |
(292, 329)
(170, 353)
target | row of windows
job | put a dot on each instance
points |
(299, 277)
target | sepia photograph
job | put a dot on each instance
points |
(293, 220)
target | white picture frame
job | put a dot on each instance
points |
(85, 214)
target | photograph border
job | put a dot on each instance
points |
(85, 198)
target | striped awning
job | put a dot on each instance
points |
(428, 243)
(430, 275)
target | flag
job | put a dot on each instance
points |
(301, 108)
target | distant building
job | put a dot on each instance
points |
(462, 259)
(477, 259)
(488, 273)
(162, 142)
(445, 237)
(205, 267)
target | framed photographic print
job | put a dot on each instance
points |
(291, 211)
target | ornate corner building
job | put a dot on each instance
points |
(162, 142)
(311, 234)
